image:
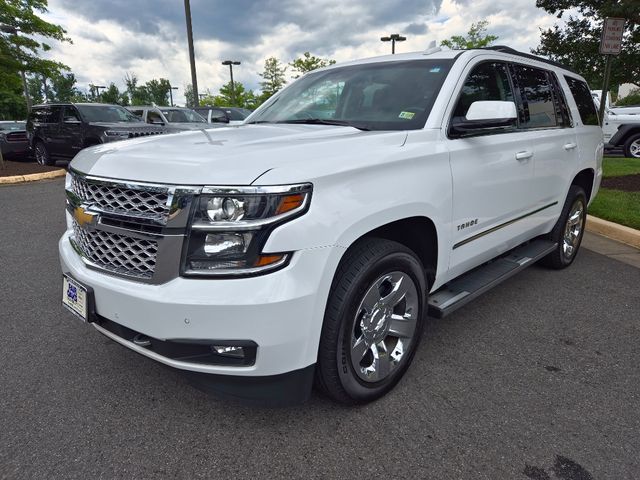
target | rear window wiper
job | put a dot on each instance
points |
(326, 121)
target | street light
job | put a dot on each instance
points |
(10, 29)
(171, 93)
(231, 63)
(393, 38)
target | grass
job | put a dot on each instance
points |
(615, 205)
(616, 167)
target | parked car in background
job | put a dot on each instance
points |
(621, 127)
(228, 115)
(61, 130)
(173, 118)
(13, 140)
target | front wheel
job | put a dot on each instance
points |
(373, 321)
(568, 231)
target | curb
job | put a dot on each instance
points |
(623, 234)
(32, 177)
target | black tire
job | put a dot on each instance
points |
(632, 146)
(41, 153)
(364, 264)
(561, 257)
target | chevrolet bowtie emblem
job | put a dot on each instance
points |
(83, 217)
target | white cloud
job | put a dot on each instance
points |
(108, 44)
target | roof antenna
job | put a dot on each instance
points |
(432, 48)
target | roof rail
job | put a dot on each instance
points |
(505, 49)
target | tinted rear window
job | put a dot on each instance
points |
(539, 110)
(584, 100)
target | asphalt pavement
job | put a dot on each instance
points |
(537, 379)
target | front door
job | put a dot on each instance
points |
(71, 132)
(491, 176)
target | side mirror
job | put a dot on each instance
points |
(484, 116)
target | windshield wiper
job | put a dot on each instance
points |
(326, 121)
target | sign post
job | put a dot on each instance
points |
(610, 44)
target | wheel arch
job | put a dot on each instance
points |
(585, 179)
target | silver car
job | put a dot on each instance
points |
(174, 118)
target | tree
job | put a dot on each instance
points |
(576, 43)
(21, 53)
(273, 75)
(243, 98)
(309, 62)
(12, 104)
(158, 91)
(113, 95)
(63, 87)
(476, 38)
(189, 96)
(137, 95)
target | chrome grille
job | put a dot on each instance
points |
(117, 253)
(119, 199)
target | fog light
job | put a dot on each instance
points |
(226, 243)
(229, 351)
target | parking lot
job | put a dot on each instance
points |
(536, 379)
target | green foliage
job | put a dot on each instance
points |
(243, 98)
(12, 104)
(158, 91)
(309, 62)
(615, 205)
(113, 95)
(476, 38)
(615, 167)
(189, 96)
(632, 99)
(63, 88)
(576, 42)
(273, 77)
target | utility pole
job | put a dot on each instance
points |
(14, 31)
(192, 57)
(231, 63)
(171, 93)
(393, 38)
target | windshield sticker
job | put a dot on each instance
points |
(435, 70)
(406, 115)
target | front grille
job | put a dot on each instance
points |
(141, 203)
(144, 133)
(117, 253)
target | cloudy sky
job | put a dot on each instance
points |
(148, 37)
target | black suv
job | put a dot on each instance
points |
(61, 130)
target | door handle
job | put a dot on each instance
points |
(525, 155)
(569, 146)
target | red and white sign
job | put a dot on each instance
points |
(611, 41)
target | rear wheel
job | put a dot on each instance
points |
(569, 230)
(632, 146)
(373, 321)
(42, 154)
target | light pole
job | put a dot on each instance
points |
(192, 57)
(393, 38)
(171, 93)
(14, 31)
(231, 63)
(96, 88)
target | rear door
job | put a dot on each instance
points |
(51, 130)
(545, 117)
(491, 175)
(71, 132)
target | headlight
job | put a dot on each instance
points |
(116, 133)
(230, 226)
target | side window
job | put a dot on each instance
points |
(154, 117)
(218, 116)
(40, 114)
(562, 111)
(584, 101)
(139, 113)
(538, 109)
(70, 115)
(487, 81)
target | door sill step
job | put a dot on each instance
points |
(470, 285)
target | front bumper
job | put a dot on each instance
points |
(281, 312)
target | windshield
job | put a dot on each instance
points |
(106, 113)
(238, 114)
(182, 115)
(12, 126)
(394, 95)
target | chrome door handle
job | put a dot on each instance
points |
(569, 146)
(527, 154)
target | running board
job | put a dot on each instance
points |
(468, 286)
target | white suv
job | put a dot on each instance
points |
(312, 242)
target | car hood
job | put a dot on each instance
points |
(235, 155)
